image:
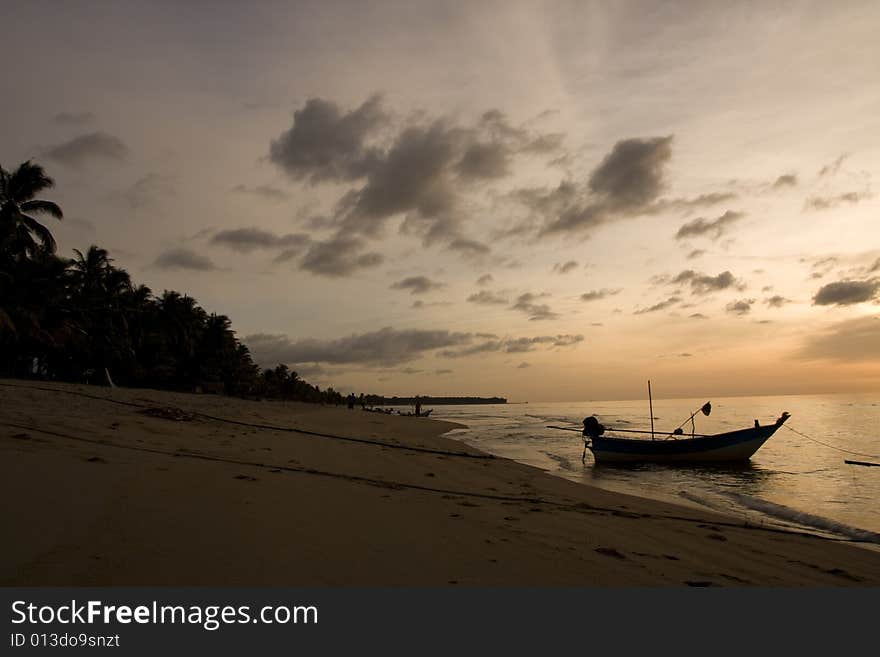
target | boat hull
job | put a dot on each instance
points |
(724, 447)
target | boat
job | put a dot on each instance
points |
(732, 446)
(675, 446)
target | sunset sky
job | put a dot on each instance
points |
(538, 200)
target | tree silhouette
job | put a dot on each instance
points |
(21, 232)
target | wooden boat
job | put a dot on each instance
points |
(676, 446)
(731, 446)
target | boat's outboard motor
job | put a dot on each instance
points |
(592, 428)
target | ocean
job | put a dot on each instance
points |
(796, 480)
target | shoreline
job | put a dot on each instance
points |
(108, 495)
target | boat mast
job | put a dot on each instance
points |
(651, 407)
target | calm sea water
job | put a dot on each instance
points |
(792, 481)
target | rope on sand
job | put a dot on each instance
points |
(365, 441)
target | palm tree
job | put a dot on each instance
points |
(19, 230)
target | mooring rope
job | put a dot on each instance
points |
(839, 449)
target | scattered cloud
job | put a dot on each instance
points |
(596, 295)
(714, 228)
(740, 307)
(386, 347)
(523, 365)
(339, 256)
(786, 180)
(492, 344)
(662, 305)
(92, 146)
(536, 311)
(485, 279)
(696, 253)
(265, 191)
(484, 297)
(184, 259)
(834, 167)
(702, 284)
(826, 202)
(847, 293)
(417, 285)
(565, 267)
(245, 240)
(776, 301)
(625, 183)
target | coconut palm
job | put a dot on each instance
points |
(19, 230)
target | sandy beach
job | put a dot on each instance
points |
(141, 487)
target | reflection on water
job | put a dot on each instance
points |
(792, 479)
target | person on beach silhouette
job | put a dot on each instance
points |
(351, 401)
(418, 406)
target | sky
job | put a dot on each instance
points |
(537, 200)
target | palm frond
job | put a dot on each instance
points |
(27, 181)
(42, 233)
(43, 207)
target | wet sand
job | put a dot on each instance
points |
(99, 489)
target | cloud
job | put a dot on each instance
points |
(184, 259)
(698, 316)
(417, 284)
(715, 228)
(703, 283)
(834, 167)
(786, 180)
(339, 256)
(147, 191)
(484, 297)
(93, 146)
(847, 293)
(485, 161)
(386, 347)
(326, 144)
(696, 253)
(523, 365)
(565, 267)
(526, 303)
(419, 170)
(875, 266)
(492, 344)
(264, 191)
(740, 307)
(596, 295)
(826, 202)
(485, 279)
(686, 205)
(852, 340)
(625, 183)
(73, 118)
(776, 301)
(245, 240)
(631, 175)
(662, 305)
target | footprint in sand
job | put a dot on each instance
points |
(717, 537)
(610, 552)
(96, 459)
(244, 477)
